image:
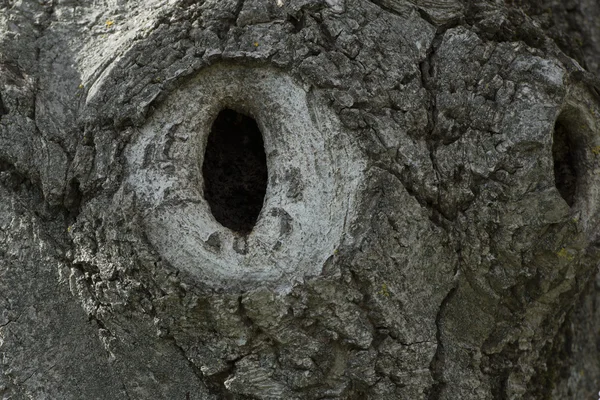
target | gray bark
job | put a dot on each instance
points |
(429, 229)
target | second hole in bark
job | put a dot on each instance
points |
(3, 110)
(565, 162)
(235, 171)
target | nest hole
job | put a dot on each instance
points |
(235, 171)
(3, 109)
(565, 162)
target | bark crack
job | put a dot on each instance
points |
(438, 364)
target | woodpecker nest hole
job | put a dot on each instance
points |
(235, 171)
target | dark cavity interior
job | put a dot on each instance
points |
(3, 110)
(565, 171)
(235, 171)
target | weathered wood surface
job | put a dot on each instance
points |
(428, 230)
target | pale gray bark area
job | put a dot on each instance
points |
(449, 265)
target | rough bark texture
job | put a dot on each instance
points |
(429, 229)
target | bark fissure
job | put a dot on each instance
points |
(438, 364)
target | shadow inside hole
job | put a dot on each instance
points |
(564, 153)
(235, 171)
(3, 110)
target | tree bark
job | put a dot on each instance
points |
(428, 174)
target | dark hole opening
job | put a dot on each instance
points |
(235, 171)
(565, 171)
(3, 110)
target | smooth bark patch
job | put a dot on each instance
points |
(235, 171)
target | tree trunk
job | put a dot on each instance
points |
(285, 199)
